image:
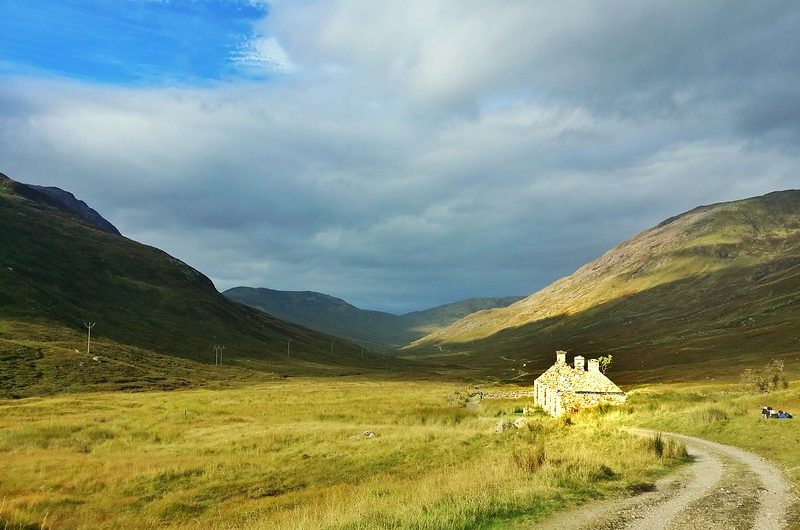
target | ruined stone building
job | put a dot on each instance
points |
(563, 388)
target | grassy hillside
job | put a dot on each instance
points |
(700, 295)
(57, 271)
(374, 329)
(430, 320)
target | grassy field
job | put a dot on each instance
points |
(293, 454)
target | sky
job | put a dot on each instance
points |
(398, 154)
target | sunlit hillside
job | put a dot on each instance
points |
(715, 287)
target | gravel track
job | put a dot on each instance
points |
(725, 488)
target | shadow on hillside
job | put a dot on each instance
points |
(708, 326)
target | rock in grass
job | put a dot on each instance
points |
(503, 425)
(365, 434)
(520, 423)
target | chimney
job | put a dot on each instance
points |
(578, 362)
(561, 357)
(594, 365)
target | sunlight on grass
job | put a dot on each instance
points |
(293, 454)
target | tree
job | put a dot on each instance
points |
(767, 379)
(605, 362)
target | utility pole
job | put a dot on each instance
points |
(218, 354)
(289, 348)
(89, 326)
(331, 346)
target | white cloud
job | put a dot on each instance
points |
(422, 152)
(263, 54)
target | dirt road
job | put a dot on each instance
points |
(724, 489)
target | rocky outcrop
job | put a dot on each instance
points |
(68, 202)
(63, 201)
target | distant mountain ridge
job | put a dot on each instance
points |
(718, 285)
(335, 316)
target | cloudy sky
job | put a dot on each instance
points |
(398, 154)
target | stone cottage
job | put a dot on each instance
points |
(563, 388)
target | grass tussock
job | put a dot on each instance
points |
(532, 458)
(711, 415)
(665, 447)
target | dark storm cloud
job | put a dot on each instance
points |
(422, 152)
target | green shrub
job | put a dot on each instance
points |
(767, 379)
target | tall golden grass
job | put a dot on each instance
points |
(292, 454)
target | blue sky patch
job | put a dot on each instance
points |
(128, 41)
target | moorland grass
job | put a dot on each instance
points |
(293, 454)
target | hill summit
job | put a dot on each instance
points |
(61, 200)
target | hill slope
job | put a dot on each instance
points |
(335, 316)
(58, 269)
(715, 288)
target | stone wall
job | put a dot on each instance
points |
(575, 401)
(516, 394)
(558, 403)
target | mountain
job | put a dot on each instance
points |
(156, 317)
(375, 328)
(705, 292)
(324, 313)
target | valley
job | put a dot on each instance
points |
(322, 415)
(408, 265)
(375, 330)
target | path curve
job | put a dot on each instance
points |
(725, 488)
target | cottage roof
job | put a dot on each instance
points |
(560, 376)
(564, 377)
(591, 381)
